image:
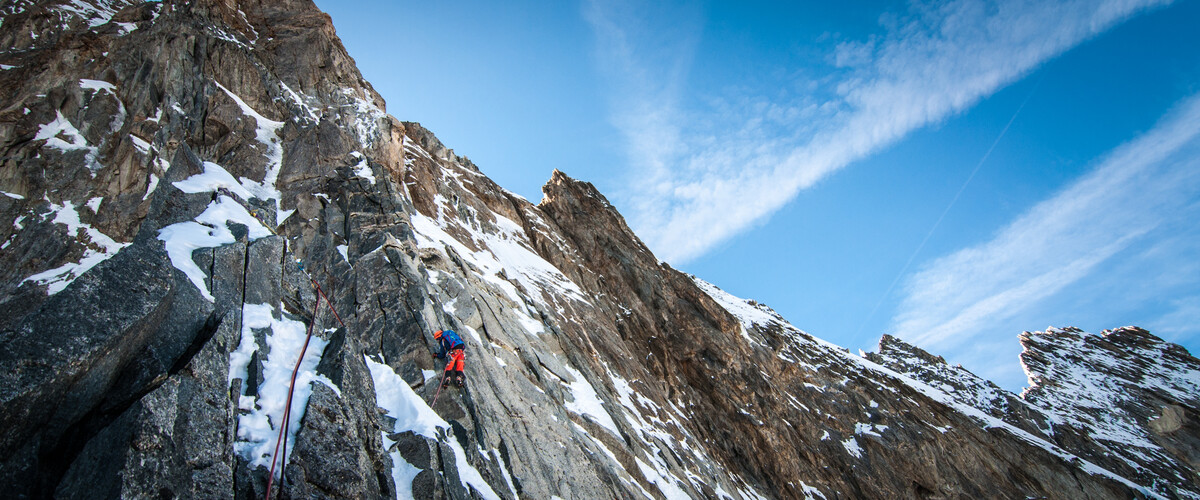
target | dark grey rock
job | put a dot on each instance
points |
(228, 285)
(264, 271)
(328, 460)
(414, 449)
(59, 365)
(426, 485)
(118, 386)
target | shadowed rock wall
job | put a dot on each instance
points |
(178, 177)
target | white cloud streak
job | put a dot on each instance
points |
(703, 178)
(1146, 184)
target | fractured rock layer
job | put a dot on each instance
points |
(180, 177)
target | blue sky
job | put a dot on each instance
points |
(952, 173)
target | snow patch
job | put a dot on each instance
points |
(362, 169)
(867, 429)
(151, 186)
(215, 177)
(411, 412)
(158, 114)
(261, 414)
(366, 117)
(504, 251)
(810, 493)
(312, 114)
(141, 144)
(96, 13)
(852, 447)
(97, 85)
(587, 402)
(267, 134)
(207, 230)
(670, 489)
(60, 126)
(98, 247)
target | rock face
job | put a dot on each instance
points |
(962, 386)
(191, 188)
(1123, 400)
(1125, 395)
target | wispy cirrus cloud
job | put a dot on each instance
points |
(708, 174)
(1131, 219)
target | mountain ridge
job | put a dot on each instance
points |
(218, 144)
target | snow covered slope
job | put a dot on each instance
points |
(1125, 393)
(171, 207)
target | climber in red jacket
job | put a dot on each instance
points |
(452, 346)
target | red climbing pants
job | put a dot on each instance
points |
(456, 361)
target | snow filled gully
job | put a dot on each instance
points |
(411, 413)
(261, 413)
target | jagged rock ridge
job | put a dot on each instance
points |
(1123, 399)
(165, 165)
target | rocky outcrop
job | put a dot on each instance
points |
(964, 387)
(1122, 400)
(191, 188)
(1127, 397)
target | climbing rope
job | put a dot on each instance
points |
(287, 411)
(284, 429)
(321, 292)
(439, 391)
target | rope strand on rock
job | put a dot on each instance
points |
(439, 391)
(284, 429)
(287, 410)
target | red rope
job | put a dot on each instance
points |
(327, 301)
(287, 410)
(439, 391)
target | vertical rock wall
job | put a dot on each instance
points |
(178, 180)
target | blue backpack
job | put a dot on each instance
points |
(452, 339)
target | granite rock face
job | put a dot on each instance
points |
(197, 192)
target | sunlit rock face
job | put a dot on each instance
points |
(192, 188)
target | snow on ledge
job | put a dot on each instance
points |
(97, 85)
(214, 177)
(411, 412)
(267, 134)
(749, 314)
(260, 415)
(58, 278)
(587, 402)
(362, 169)
(208, 230)
(61, 126)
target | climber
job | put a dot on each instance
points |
(452, 346)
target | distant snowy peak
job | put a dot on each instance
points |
(960, 384)
(1124, 400)
(1125, 389)
(1075, 372)
(1127, 361)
